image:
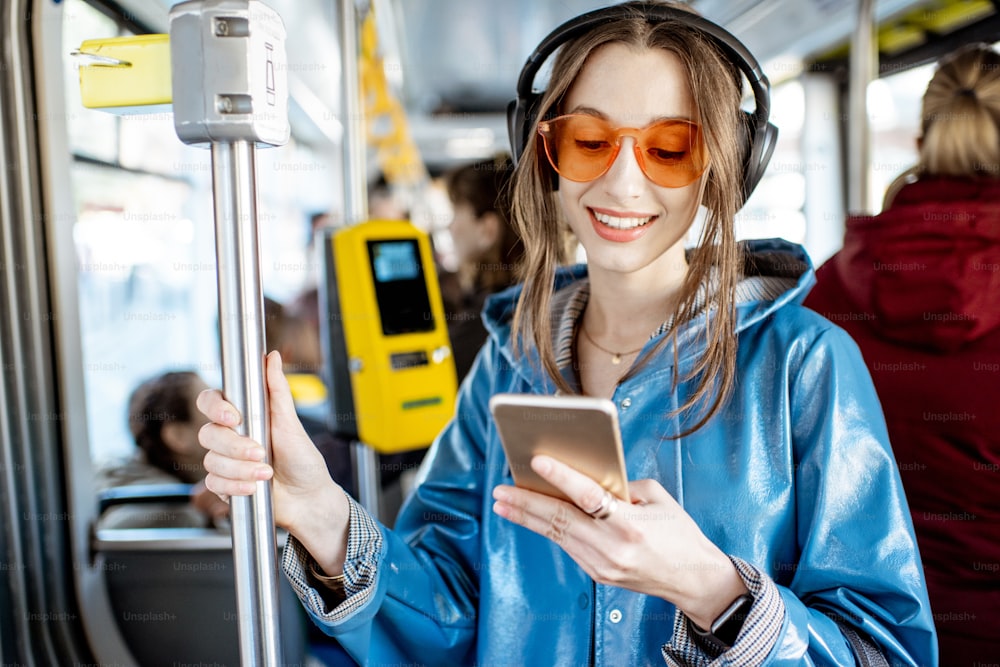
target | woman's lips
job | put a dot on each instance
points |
(619, 227)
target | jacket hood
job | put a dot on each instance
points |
(776, 273)
(928, 268)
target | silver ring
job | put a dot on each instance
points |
(606, 508)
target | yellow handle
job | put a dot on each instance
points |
(121, 73)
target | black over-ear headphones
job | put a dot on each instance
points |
(761, 134)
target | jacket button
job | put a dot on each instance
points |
(583, 601)
(626, 403)
(615, 616)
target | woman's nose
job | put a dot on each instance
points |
(625, 178)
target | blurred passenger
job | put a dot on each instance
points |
(306, 304)
(164, 423)
(384, 202)
(918, 287)
(488, 250)
(298, 343)
(293, 335)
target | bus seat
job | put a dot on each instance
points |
(173, 590)
(136, 494)
(149, 506)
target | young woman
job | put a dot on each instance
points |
(767, 523)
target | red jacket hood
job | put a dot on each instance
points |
(928, 268)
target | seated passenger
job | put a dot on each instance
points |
(164, 423)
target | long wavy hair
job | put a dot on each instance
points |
(716, 85)
(961, 115)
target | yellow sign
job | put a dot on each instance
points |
(122, 73)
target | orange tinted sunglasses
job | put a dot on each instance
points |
(582, 147)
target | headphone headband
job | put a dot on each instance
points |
(522, 112)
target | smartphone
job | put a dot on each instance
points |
(580, 431)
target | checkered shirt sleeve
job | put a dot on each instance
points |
(756, 639)
(329, 603)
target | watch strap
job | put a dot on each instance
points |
(726, 627)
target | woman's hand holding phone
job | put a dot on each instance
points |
(647, 543)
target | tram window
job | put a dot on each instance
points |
(894, 104)
(91, 133)
(149, 143)
(775, 209)
(145, 249)
(146, 292)
(145, 239)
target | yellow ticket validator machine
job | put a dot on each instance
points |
(392, 374)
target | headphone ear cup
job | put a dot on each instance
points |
(515, 120)
(521, 114)
(746, 130)
(757, 151)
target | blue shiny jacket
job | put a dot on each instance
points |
(795, 477)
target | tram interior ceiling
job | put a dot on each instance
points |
(454, 63)
(919, 35)
(458, 59)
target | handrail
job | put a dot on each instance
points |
(356, 203)
(863, 69)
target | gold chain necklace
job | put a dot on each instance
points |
(616, 357)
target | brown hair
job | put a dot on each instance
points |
(961, 115)
(715, 84)
(485, 185)
(161, 400)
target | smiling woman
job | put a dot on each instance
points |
(736, 542)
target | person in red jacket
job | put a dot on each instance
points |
(918, 287)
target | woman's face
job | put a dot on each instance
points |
(626, 223)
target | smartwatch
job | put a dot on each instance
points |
(726, 627)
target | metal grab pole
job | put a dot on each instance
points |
(355, 173)
(241, 325)
(863, 68)
(230, 93)
(356, 206)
